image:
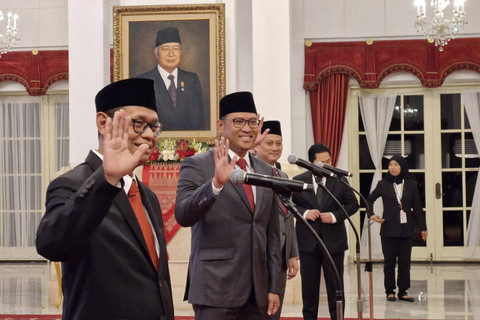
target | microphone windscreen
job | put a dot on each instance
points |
(292, 159)
(237, 176)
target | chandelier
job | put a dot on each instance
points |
(10, 38)
(440, 30)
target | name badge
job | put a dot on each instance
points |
(403, 216)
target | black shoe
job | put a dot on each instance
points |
(406, 298)
(391, 297)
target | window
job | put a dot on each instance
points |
(33, 144)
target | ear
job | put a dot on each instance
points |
(220, 127)
(101, 120)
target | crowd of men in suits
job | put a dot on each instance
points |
(106, 228)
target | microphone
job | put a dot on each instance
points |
(339, 172)
(316, 170)
(238, 176)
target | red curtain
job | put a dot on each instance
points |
(328, 104)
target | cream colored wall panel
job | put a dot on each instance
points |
(400, 18)
(28, 28)
(473, 16)
(53, 25)
(19, 4)
(324, 19)
(365, 19)
(52, 3)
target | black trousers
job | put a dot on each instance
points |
(249, 311)
(397, 250)
(311, 264)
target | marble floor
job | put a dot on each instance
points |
(441, 291)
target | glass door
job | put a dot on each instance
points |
(430, 128)
(457, 167)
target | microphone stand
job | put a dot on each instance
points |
(368, 264)
(357, 243)
(284, 196)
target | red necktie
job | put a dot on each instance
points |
(136, 202)
(242, 163)
(285, 211)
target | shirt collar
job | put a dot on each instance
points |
(247, 157)
(164, 74)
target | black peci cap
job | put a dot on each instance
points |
(128, 92)
(237, 102)
(167, 35)
(274, 127)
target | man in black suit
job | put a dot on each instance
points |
(103, 224)
(178, 93)
(234, 267)
(270, 150)
(327, 219)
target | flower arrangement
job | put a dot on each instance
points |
(169, 150)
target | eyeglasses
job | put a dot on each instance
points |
(240, 123)
(140, 126)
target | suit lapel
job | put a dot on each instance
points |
(180, 79)
(311, 196)
(122, 205)
(259, 191)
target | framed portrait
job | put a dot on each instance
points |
(182, 48)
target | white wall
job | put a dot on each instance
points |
(42, 23)
(264, 40)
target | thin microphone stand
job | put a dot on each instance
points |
(284, 196)
(357, 243)
(368, 264)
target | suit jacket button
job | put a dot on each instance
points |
(160, 284)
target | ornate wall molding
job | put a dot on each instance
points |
(370, 64)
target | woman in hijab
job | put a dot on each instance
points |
(401, 210)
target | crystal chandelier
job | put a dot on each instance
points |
(10, 38)
(440, 30)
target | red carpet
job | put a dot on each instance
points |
(56, 317)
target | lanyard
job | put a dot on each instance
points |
(399, 192)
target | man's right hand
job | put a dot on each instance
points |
(223, 168)
(313, 214)
(117, 159)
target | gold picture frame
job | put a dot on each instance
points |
(202, 32)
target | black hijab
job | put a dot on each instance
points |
(403, 173)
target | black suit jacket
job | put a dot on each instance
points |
(90, 226)
(233, 249)
(190, 112)
(411, 204)
(333, 235)
(288, 236)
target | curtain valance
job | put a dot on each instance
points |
(370, 64)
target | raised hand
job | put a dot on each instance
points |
(223, 168)
(260, 137)
(117, 158)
